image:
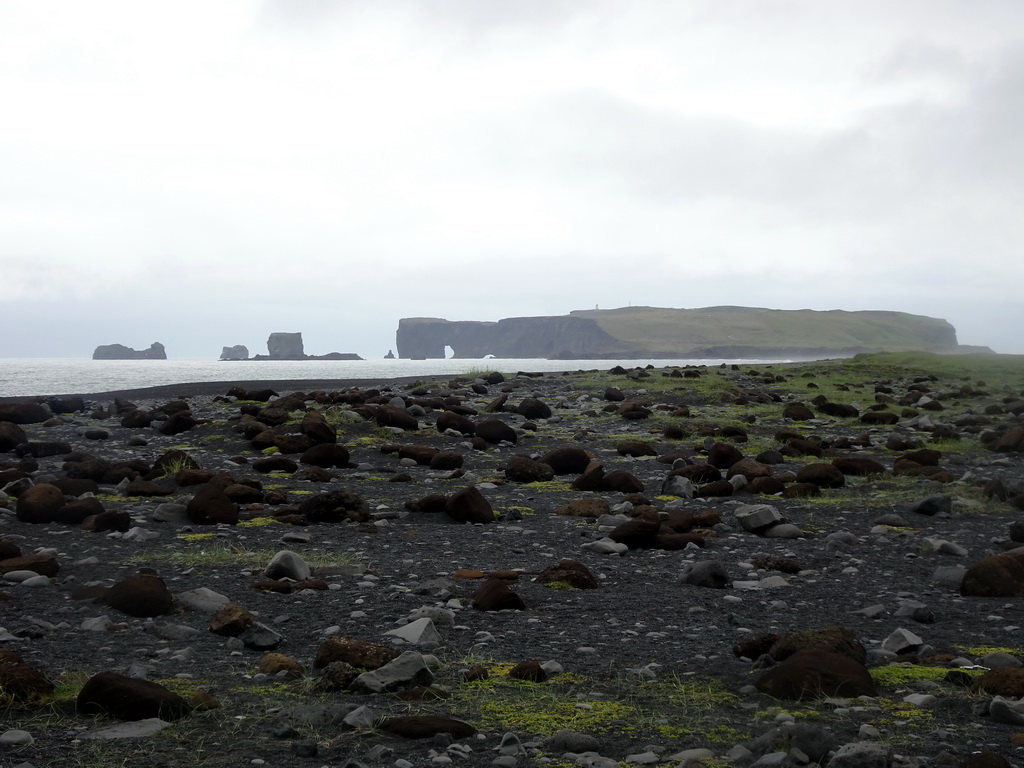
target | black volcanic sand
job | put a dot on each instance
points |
(649, 666)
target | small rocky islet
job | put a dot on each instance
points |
(739, 565)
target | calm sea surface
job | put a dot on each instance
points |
(55, 376)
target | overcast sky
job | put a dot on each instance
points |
(203, 173)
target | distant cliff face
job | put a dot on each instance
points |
(653, 332)
(156, 351)
(543, 337)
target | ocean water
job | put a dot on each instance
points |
(58, 376)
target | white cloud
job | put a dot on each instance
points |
(302, 162)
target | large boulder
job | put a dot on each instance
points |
(39, 504)
(335, 506)
(11, 436)
(469, 506)
(813, 674)
(129, 698)
(24, 413)
(999, 575)
(142, 595)
(211, 506)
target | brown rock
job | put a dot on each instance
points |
(129, 698)
(523, 469)
(142, 595)
(39, 504)
(858, 466)
(426, 726)
(495, 595)
(797, 412)
(822, 475)
(999, 575)
(20, 679)
(1003, 681)
(359, 653)
(832, 639)
(529, 670)
(24, 413)
(495, 431)
(469, 506)
(231, 620)
(273, 663)
(568, 572)
(44, 565)
(567, 460)
(593, 508)
(211, 506)
(724, 455)
(813, 674)
(335, 507)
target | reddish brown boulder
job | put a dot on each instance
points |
(593, 508)
(858, 466)
(529, 670)
(570, 572)
(621, 481)
(390, 416)
(425, 726)
(878, 418)
(532, 408)
(129, 698)
(750, 469)
(143, 595)
(797, 412)
(447, 461)
(315, 427)
(635, 448)
(359, 653)
(455, 421)
(567, 461)
(11, 436)
(496, 595)
(421, 454)
(999, 575)
(20, 679)
(24, 413)
(638, 533)
(801, 491)
(335, 507)
(1003, 681)
(75, 512)
(716, 489)
(326, 455)
(39, 504)
(469, 506)
(44, 565)
(176, 423)
(764, 486)
(275, 464)
(291, 442)
(231, 620)
(211, 506)
(832, 639)
(1011, 440)
(523, 469)
(822, 475)
(813, 674)
(724, 455)
(495, 431)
